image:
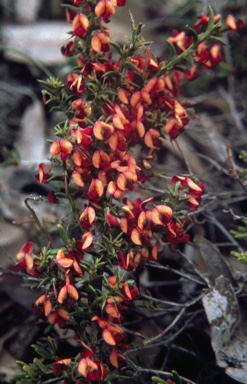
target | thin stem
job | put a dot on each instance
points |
(182, 274)
(166, 375)
(34, 216)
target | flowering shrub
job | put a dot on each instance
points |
(121, 103)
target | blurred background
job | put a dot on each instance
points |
(31, 35)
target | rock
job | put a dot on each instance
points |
(27, 11)
(31, 142)
(41, 41)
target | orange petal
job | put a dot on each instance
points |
(111, 188)
(96, 43)
(115, 357)
(77, 178)
(99, 187)
(215, 51)
(112, 310)
(55, 148)
(112, 280)
(80, 20)
(62, 294)
(113, 141)
(124, 224)
(141, 220)
(193, 185)
(150, 84)
(47, 307)
(121, 182)
(100, 128)
(88, 239)
(88, 214)
(65, 263)
(231, 22)
(77, 157)
(29, 262)
(149, 136)
(122, 95)
(86, 365)
(77, 268)
(118, 122)
(193, 201)
(41, 299)
(146, 97)
(115, 300)
(104, 7)
(161, 214)
(155, 251)
(135, 98)
(63, 313)
(136, 237)
(91, 215)
(60, 254)
(72, 292)
(127, 291)
(66, 146)
(108, 337)
(52, 318)
(140, 128)
(127, 209)
(171, 124)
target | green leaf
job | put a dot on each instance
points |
(92, 289)
(216, 39)
(242, 174)
(194, 33)
(131, 65)
(117, 47)
(132, 22)
(239, 235)
(52, 345)
(53, 251)
(242, 257)
(110, 74)
(63, 234)
(109, 92)
(211, 17)
(41, 351)
(189, 59)
(71, 7)
(172, 48)
(42, 368)
(86, 265)
(176, 377)
(243, 155)
(30, 372)
(158, 380)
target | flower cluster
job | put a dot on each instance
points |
(119, 110)
(207, 54)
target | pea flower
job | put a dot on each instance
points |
(92, 370)
(61, 147)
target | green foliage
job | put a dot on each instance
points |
(111, 106)
(240, 233)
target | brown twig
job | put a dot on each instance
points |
(206, 281)
(172, 303)
(211, 218)
(165, 375)
(229, 99)
(34, 216)
(179, 273)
